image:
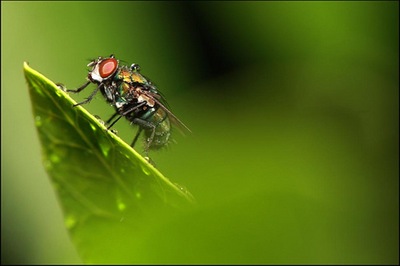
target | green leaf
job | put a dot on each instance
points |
(110, 195)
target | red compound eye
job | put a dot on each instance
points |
(107, 67)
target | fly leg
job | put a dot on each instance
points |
(88, 99)
(80, 88)
(124, 113)
(111, 118)
(147, 147)
(143, 124)
(136, 137)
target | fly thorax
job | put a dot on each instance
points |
(119, 104)
(109, 92)
(144, 98)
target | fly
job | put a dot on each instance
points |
(133, 97)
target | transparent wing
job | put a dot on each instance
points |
(160, 100)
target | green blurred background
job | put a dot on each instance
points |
(293, 108)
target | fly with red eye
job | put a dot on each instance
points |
(133, 97)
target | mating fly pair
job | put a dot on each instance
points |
(133, 97)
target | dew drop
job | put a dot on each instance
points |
(54, 158)
(93, 127)
(127, 156)
(105, 148)
(70, 221)
(38, 121)
(59, 93)
(183, 189)
(146, 170)
(120, 205)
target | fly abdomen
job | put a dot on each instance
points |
(161, 128)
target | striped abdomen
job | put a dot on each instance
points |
(162, 132)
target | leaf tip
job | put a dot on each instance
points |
(26, 64)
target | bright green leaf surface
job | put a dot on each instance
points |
(111, 197)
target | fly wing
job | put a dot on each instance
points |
(159, 99)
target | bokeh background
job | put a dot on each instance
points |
(293, 108)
